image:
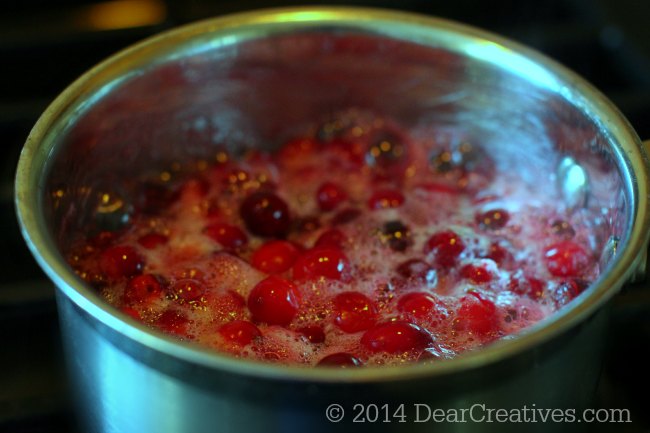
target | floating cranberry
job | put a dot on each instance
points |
(499, 254)
(131, 313)
(446, 246)
(152, 240)
(387, 156)
(476, 274)
(527, 286)
(120, 261)
(275, 256)
(332, 238)
(228, 236)
(417, 269)
(396, 337)
(493, 219)
(562, 229)
(273, 301)
(354, 312)
(330, 263)
(330, 195)
(314, 334)
(228, 304)
(566, 259)
(240, 332)
(345, 216)
(396, 235)
(566, 291)
(188, 289)
(266, 214)
(142, 289)
(341, 359)
(477, 315)
(417, 304)
(173, 322)
(296, 149)
(385, 199)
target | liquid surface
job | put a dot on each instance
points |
(359, 244)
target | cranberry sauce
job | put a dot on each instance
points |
(359, 244)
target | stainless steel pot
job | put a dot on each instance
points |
(248, 79)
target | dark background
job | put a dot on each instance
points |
(45, 45)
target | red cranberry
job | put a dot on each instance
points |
(493, 219)
(528, 286)
(228, 304)
(354, 312)
(275, 257)
(152, 240)
(476, 274)
(120, 261)
(188, 289)
(385, 199)
(240, 332)
(266, 214)
(397, 235)
(499, 254)
(142, 288)
(329, 196)
(228, 236)
(273, 301)
(387, 156)
(341, 359)
(417, 304)
(446, 246)
(332, 238)
(345, 216)
(566, 259)
(396, 337)
(417, 269)
(567, 291)
(477, 315)
(296, 149)
(330, 263)
(173, 322)
(314, 334)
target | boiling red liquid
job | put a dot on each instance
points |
(358, 244)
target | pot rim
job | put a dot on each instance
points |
(70, 104)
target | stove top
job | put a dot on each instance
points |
(48, 44)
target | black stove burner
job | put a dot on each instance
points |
(46, 45)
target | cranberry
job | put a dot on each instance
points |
(397, 235)
(528, 286)
(229, 236)
(266, 214)
(354, 312)
(188, 289)
(330, 263)
(396, 337)
(142, 288)
(562, 229)
(477, 315)
(273, 301)
(493, 219)
(332, 238)
(567, 291)
(152, 240)
(499, 254)
(173, 322)
(345, 216)
(417, 269)
(417, 304)
(566, 259)
(385, 199)
(275, 257)
(298, 148)
(446, 247)
(386, 156)
(240, 332)
(314, 334)
(341, 359)
(120, 261)
(476, 274)
(228, 304)
(329, 196)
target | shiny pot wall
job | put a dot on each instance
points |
(251, 81)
